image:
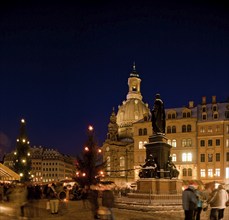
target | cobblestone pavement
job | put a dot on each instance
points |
(74, 210)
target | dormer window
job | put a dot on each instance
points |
(215, 115)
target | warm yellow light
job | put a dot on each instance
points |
(21, 174)
(28, 142)
(23, 161)
(22, 120)
(90, 128)
(99, 150)
(28, 154)
(23, 140)
(17, 140)
(86, 149)
(84, 174)
(15, 153)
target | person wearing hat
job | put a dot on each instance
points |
(189, 202)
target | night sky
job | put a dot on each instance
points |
(64, 65)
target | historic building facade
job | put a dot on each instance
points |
(47, 165)
(198, 134)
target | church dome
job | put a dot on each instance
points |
(132, 110)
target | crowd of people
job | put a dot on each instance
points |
(198, 199)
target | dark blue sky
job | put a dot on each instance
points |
(65, 65)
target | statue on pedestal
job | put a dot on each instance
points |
(173, 172)
(158, 115)
(149, 169)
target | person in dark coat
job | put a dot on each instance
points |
(93, 199)
(108, 201)
(189, 202)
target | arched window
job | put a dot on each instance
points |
(183, 143)
(189, 128)
(108, 165)
(169, 116)
(188, 115)
(140, 132)
(122, 166)
(173, 115)
(169, 142)
(140, 145)
(183, 128)
(145, 131)
(174, 129)
(174, 157)
(189, 172)
(184, 171)
(184, 114)
(168, 129)
(174, 143)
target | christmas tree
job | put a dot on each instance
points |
(89, 164)
(22, 161)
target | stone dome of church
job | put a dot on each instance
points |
(133, 109)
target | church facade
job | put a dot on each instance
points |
(199, 136)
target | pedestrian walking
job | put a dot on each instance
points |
(201, 198)
(53, 199)
(217, 201)
(93, 199)
(108, 201)
(189, 202)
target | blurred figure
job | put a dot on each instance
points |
(53, 198)
(217, 202)
(84, 196)
(93, 199)
(201, 197)
(108, 201)
(189, 202)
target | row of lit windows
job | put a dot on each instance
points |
(184, 142)
(141, 144)
(210, 172)
(185, 128)
(209, 129)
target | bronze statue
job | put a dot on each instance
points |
(149, 168)
(158, 116)
(173, 172)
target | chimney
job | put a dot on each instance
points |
(203, 100)
(213, 99)
(191, 104)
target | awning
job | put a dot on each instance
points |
(7, 174)
(190, 182)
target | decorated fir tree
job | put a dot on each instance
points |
(89, 164)
(22, 161)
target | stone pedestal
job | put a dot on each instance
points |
(159, 186)
(160, 150)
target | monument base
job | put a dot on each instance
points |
(159, 186)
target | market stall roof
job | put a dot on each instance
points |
(7, 174)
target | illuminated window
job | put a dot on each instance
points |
(169, 142)
(140, 145)
(186, 157)
(202, 173)
(210, 172)
(227, 172)
(122, 166)
(209, 129)
(174, 157)
(183, 142)
(174, 143)
(227, 142)
(217, 172)
(202, 130)
(217, 128)
(108, 166)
